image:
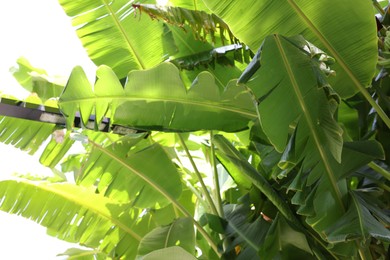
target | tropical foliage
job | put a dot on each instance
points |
(259, 129)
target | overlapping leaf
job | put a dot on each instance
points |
(24, 134)
(179, 233)
(297, 96)
(359, 223)
(325, 24)
(157, 99)
(76, 214)
(133, 169)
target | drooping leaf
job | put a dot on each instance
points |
(24, 134)
(298, 95)
(179, 233)
(332, 26)
(157, 99)
(284, 242)
(358, 223)
(113, 36)
(245, 230)
(77, 214)
(200, 22)
(133, 169)
(37, 80)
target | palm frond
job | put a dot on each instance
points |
(77, 214)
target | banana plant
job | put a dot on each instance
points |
(259, 132)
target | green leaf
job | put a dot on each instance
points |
(250, 174)
(56, 149)
(297, 95)
(358, 223)
(113, 36)
(245, 230)
(178, 233)
(37, 80)
(157, 99)
(133, 169)
(82, 254)
(333, 26)
(284, 242)
(169, 253)
(299, 89)
(200, 22)
(24, 134)
(190, 4)
(77, 214)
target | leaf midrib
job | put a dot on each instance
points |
(340, 61)
(123, 32)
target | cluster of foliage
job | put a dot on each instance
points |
(261, 129)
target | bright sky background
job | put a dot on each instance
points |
(41, 32)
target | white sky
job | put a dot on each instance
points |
(41, 32)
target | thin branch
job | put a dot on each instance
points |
(202, 184)
(217, 190)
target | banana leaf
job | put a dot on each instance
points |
(157, 99)
(132, 170)
(77, 214)
(179, 233)
(358, 222)
(112, 35)
(345, 30)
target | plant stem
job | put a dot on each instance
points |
(217, 190)
(378, 7)
(204, 188)
(162, 191)
(379, 170)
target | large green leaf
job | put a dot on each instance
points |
(77, 214)
(133, 169)
(179, 233)
(250, 174)
(200, 22)
(298, 95)
(345, 30)
(157, 99)
(113, 36)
